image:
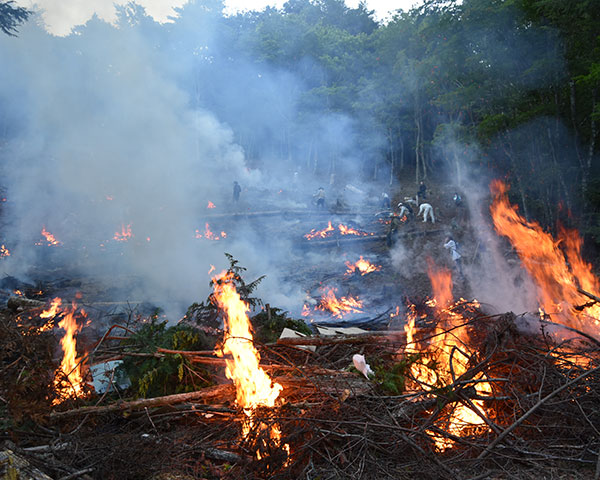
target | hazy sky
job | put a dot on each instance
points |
(61, 15)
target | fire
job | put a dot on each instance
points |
(557, 273)
(361, 265)
(53, 310)
(344, 230)
(124, 235)
(208, 234)
(254, 388)
(210, 204)
(50, 239)
(339, 307)
(4, 252)
(211, 269)
(326, 232)
(445, 348)
(69, 378)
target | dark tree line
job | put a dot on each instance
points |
(510, 86)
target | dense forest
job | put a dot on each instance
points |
(507, 85)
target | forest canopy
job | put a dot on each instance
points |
(503, 86)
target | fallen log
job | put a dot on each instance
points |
(16, 303)
(218, 391)
(392, 336)
(370, 238)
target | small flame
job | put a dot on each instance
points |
(18, 292)
(4, 252)
(254, 388)
(326, 232)
(212, 269)
(50, 239)
(124, 235)
(208, 234)
(361, 265)
(53, 310)
(69, 378)
(210, 204)
(344, 230)
(339, 307)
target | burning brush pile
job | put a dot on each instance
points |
(452, 392)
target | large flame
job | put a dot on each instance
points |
(339, 307)
(69, 378)
(361, 265)
(254, 388)
(557, 274)
(445, 347)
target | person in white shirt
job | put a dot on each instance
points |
(426, 210)
(450, 244)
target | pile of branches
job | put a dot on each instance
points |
(541, 417)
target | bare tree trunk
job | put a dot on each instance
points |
(572, 98)
(510, 154)
(592, 133)
(561, 178)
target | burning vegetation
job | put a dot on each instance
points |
(450, 390)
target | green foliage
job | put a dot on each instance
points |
(169, 373)
(207, 313)
(11, 17)
(269, 329)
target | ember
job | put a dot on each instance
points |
(361, 265)
(210, 204)
(124, 235)
(50, 239)
(4, 252)
(208, 234)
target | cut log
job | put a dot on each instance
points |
(207, 394)
(16, 303)
(394, 336)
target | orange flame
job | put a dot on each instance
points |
(4, 252)
(339, 307)
(326, 232)
(557, 275)
(50, 239)
(69, 378)
(445, 347)
(254, 388)
(361, 265)
(210, 204)
(208, 234)
(124, 235)
(53, 310)
(344, 230)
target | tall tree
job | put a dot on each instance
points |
(11, 17)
